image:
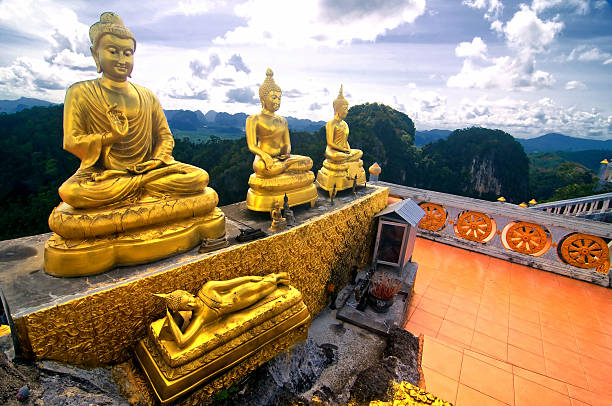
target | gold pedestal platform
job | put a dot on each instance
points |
(264, 192)
(98, 320)
(256, 334)
(340, 175)
(87, 242)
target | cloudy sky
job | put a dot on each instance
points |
(527, 67)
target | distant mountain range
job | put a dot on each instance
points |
(232, 125)
(14, 106)
(425, 137)
(553, 142)
(188, 120)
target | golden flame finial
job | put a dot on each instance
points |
(375, 169)
(340, 100)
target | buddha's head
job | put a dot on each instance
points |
(270, 93)
(113, 46)
(179, 300)
(341, 105)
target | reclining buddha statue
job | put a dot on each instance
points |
(342, 166)
(228, 328)
(277, 171)
(129, 202)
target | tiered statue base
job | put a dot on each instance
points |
(264, 192)
(235, 345)
(87, 242)
(340, 175)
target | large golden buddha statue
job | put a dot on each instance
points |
(222, 332)
(129, 202)
(277, 171)
(342, 166)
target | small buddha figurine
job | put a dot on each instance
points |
(278, 221)
(128, 188)
(277, 171)
(287, 212)
(341, 163)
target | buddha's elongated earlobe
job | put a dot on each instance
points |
(95, 57)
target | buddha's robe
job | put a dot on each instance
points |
(340, 139)
(270, 135)
(106, 174)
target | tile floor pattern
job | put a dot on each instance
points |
(498, 333)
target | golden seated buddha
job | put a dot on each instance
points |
(227, 327)
(129, 202)
(342, 164)
(277, 171)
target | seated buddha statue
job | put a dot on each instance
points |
(276, 171)
(129, 201)
(342, 164)
(228, 326)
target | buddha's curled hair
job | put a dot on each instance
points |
(110, 23)
(176, 300)
(268, 85)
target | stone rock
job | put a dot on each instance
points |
(282, 379)
(399, 363)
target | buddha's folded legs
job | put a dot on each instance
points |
(297, 163)
(188, 180)
(337, 156)
(81, 191)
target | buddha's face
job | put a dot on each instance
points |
(342, 111)
(114, 56)
(271, 101)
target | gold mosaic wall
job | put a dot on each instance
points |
(101, 328)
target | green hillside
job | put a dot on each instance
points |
(476, 162)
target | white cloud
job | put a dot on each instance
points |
(575, 85)
(527, 30)
(494, 7)
(66, 57)
(73, 60)
(191, 7)
(476, 49)
(578, 6)
(38, 78)
(505, 73)
(57, 25)
(585, 53)
(527, 35)
(297, 23)
(518, 117)
(497, 26)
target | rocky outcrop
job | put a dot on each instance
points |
(483, 178)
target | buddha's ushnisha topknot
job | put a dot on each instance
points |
(340, 100)
(110, 23)
(268, 85)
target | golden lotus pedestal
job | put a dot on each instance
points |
(342, 175)
(265, 191)
(235, 345)
(88, 242)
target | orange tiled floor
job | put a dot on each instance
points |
(505, 334)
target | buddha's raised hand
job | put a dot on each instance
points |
(118, 121)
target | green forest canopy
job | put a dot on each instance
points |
(35, 165)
